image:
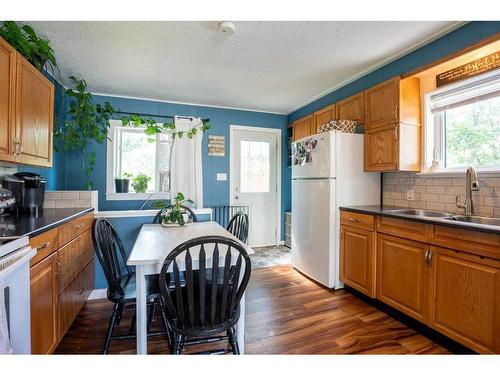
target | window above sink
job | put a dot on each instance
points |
(464, 126)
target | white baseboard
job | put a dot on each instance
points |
(99, 294)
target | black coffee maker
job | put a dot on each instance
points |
(28, 188)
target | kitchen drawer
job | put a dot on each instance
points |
(45, 244)
(411, 230)
(470, 241)
(357, 220)
(74, 228)
(288, 229)
(73, 258)
(288, 218)
(73, 298)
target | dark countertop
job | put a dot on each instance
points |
(27, 224)
(387, 211)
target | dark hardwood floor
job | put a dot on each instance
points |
(286, 313)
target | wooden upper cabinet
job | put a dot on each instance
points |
(402, 275)
(392, 126)
(382, 104)
(357, 259)
(34, 115)
(323, 116)
(381, 150)
(44, 307)
(303, 127)
(466, 298)
(352, 108)
(7, 95)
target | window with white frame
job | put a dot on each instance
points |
(464, 121)
(132, 152)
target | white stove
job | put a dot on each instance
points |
(15, 254)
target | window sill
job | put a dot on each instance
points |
(136, 196)
(460, 173)
(145, 213)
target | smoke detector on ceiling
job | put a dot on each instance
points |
(227, 27)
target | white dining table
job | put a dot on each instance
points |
(151, 247)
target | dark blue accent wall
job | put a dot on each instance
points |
(458, 39)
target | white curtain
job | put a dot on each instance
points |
(186, 168)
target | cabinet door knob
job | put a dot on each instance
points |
(354, 220)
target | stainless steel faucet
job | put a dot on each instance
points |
(471, 184)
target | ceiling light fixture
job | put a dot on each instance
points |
(227, 27)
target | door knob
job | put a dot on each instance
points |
(236, 197)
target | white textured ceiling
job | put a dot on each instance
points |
(266, 66)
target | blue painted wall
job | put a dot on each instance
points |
(458, 39)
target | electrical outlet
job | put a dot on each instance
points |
(410, 195)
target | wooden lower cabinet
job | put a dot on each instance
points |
(73, 298)
(466, 296)
(61, 281)
(43, 300)
(357, 259)
(402, 275)
(438, 275)
(73, 257)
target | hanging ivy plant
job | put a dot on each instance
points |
(152, 127)
(86, 121)
(26, 41)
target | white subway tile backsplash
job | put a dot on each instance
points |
(439, 193)
(84, 195)
(67, 195)
(435, 189)
(52, 195)
(71, 199)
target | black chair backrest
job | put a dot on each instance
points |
(238, 226)
(192, 216)
(111, 255)
(209, 295)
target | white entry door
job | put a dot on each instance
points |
(254, 182)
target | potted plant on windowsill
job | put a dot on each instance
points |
(122, 184)
(176, 215)
(140, 183)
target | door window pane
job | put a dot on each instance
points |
(254, 167)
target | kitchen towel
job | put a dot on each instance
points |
(4, 329)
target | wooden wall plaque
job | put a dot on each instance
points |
(481, 65)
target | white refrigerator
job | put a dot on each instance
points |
(327, 172)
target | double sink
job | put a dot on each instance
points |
(447, 216)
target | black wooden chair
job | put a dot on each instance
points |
(238, 226)
(122, 282)
(192, 216)
(205, 307)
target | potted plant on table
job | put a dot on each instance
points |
(140, 183)
(176, 214)
(122, 184)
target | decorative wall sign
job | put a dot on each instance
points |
(216, 145)
(477, 66)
